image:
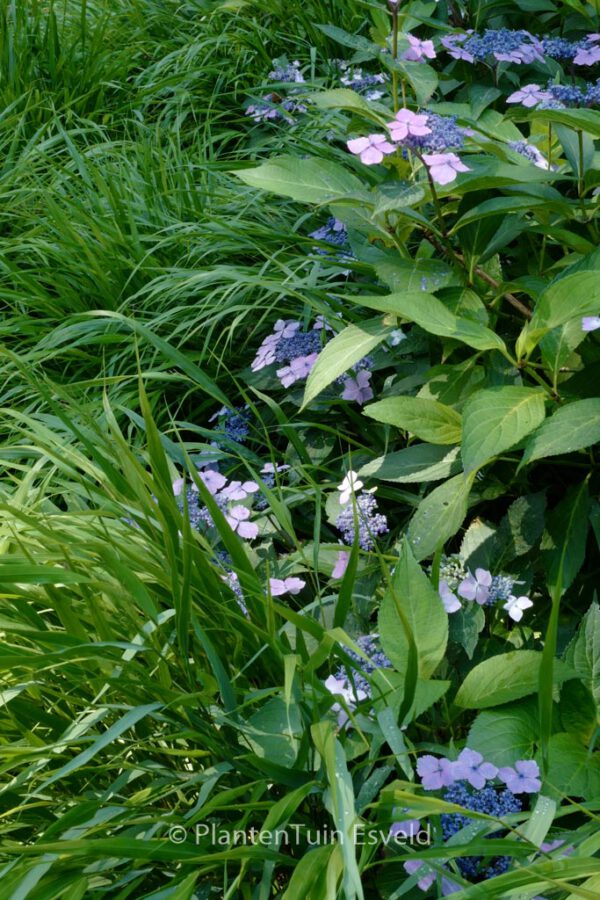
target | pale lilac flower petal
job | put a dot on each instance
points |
(341, 564)
(476, 587)
(435, 773)
(214, 481)
(590, 323)
(371, 149)
(523, 779)
(413, 866)
(279, 586)
(587, 56)
(236, 519)
(286, 376)
(371, 156)
(444, 166)
(270, 468)
(471, 766)
(339, 687)
(407, 123)
(276, 586)
(449, 599)
(358, 145)
(409, 828)
(358, 389)
(294, 585)
(248, 530)
(529, 95)
(418, 50)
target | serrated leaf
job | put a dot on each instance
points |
(439, 515)
(506, 677)
(431, 314)
(341, 353)
(407, 275)
(557, 346)
(307, 180)
(422, 78)
(506, 734)
(496, 419)
(569, 297)
(495, 206)
(573, 770)
(396, 195)
(427, 419)
(571, 428)
(343, 98)
(478, 546)
(584, 653)
(521, 527)
(354, 41)
(416, 464)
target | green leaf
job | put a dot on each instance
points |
(416, 464)
(112, 734)
(540, 820)
(422, 78)
(341, 353)
(427, 419)
(573, 769)
(563, 542)
(497, 205)
(478, 546)
(439, 515)
(431, 314)
(307, 180)
(412, 593)
(583, 653)
(506, 677)
(394, 195)
(569, 297)
(587, 120)
(572, 427)
(466, 625)
(480, 97)
(274, 731)
(521, 527)
(408, 275)
(344, 98)
(558, 345)
(578, 711)
(506, 734)
(341, 803)
(389, 690)
(354, 41)
(570, 144)
(486, 173)
(496, 419)
(310, 875)
(177, 357)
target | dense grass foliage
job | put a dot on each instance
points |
(299, 517)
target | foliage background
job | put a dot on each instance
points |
(138, 275)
